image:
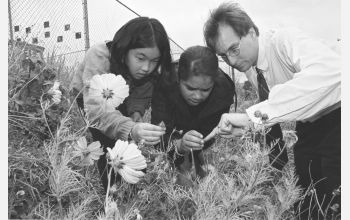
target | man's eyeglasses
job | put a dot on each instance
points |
(233, 51)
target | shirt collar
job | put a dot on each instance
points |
(262, 61)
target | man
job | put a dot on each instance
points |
(303, 77)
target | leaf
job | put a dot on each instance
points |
(47, 82)
(17, 99)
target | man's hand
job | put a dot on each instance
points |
(191, 140)
(230, 125)
(136, 117)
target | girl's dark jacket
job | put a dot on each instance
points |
(169, 106)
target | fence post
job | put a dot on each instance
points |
(86, 25)
(10, 21)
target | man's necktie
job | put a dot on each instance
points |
(263, 89)
(276, 131)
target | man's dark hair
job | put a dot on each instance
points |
(231, 14)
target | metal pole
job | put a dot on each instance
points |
(10, 21)
(86, 25)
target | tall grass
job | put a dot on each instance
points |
(47, 182)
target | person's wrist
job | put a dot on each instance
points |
(131, 135)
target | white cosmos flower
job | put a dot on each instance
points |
(108, 90)
(88, 153)
(127, 160)
(55, 93)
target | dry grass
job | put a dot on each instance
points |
(241, 185)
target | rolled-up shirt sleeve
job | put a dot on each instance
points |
(314, 87)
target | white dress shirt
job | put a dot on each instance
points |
(303, 75)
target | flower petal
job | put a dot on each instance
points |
(95, 94)
(120, 148)
(95, 155)
(94, 146)
(97, 82)
(114, 102)
(130, 175)
(114, 81)
(82, 143)
(87, 161)
(131, 151)
(138, 162)
(109, 105)
(56, 85)
(110, 153)
(116, 84)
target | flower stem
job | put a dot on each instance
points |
(193, 165)
(60, 206)
(108, 186)
(264, 136)
(44, 116)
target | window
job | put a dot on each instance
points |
(16, 28)
(67, 27)
(77, 35)
(34, 40)
(59, 38)
(28, 30)
(46, 24)
(47, 34)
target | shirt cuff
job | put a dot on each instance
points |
(263, 108)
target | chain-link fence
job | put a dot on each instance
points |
(68, 27)
(60, 26)
(56, 26)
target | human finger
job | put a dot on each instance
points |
(192, 138)
(151, 138)
(225, 127)
(192, 145)
(148, 133)
(150, 127)
(152, 142)
(195, 134)
(211, 135)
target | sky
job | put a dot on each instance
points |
(184, 19)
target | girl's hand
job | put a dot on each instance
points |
(148, 133)
(191, 140)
